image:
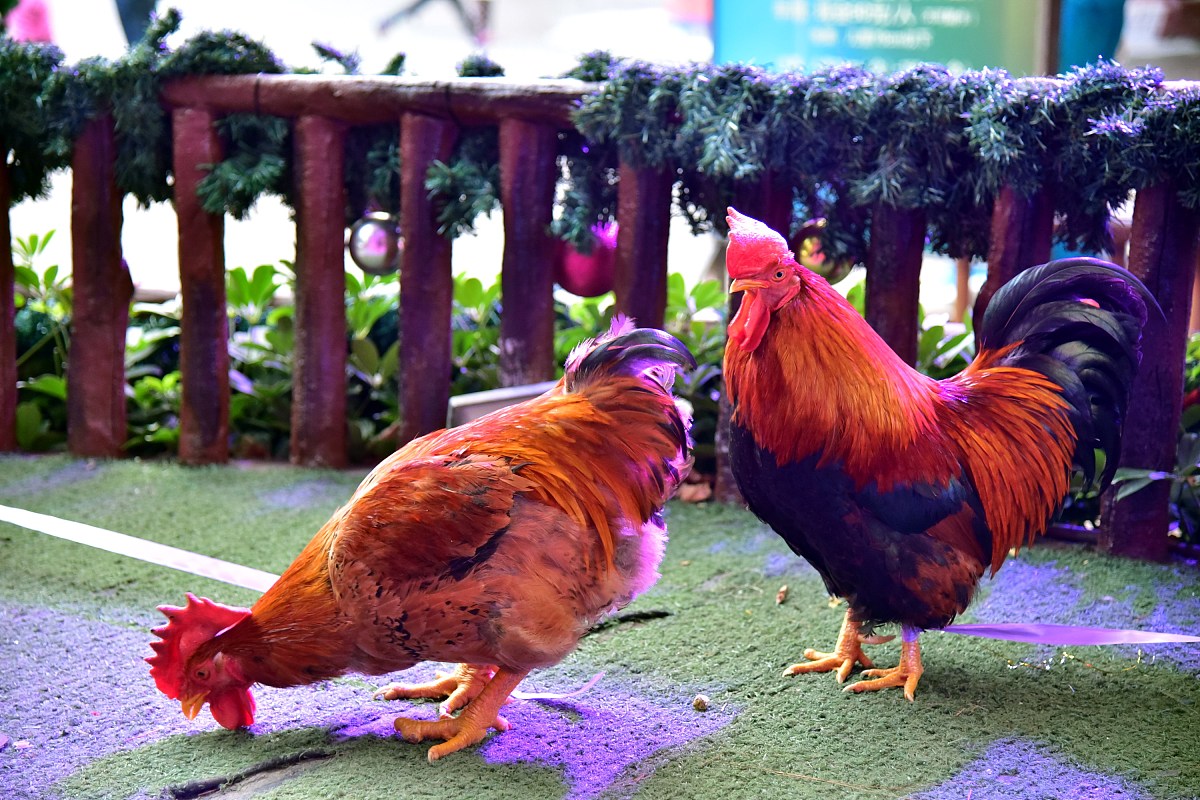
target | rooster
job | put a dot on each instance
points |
(902, 491)
(496, 545)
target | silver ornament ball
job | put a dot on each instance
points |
(375, 243)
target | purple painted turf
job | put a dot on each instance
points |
(1015, 769)
(1025, 592)
(592, 738)
(75, 690)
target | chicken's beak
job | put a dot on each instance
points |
(742, 284)
(192, 705)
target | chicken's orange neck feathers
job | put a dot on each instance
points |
(294, 634)
(822, 359)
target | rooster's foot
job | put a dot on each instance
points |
(459, 687)
(907, 675)
(846, 653)
(471, 725)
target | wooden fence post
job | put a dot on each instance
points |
(319, 373)
(8, 331)
(204, 332)
(644, 220)
(1163, 251)
(426, 280)
(1022, 229)
(102, 291)
(893, 283)
(528, 172)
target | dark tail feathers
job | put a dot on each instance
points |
(628, 351)
(1078, 321)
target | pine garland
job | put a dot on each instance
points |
(636, 110)
(469, 184)
(24, 71)
(846, 140)
(589, 185)
(1156, 143)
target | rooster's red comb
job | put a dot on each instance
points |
(753, 247)
(187, 628)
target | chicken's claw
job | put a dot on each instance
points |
(459, 687)
(907, 674)
(472, 724)
(838, 661)
(846, 653)
(458, 732)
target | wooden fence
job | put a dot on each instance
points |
(529, 117)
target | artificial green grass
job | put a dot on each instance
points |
(1110, 712)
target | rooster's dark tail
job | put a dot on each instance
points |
(1078, 321)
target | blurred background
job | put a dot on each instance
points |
(544, 38)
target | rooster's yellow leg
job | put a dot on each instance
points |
(846, 653)
(906, 675)
(459, 687)
(472, 724)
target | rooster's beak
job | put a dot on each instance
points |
(742, 284)
(192, 705)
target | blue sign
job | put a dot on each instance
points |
(881, 35)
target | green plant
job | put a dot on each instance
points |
(42, 418)
(368, 299)
(1185, 485)
(372, 362)
(944, 350)
(152, 414)
(250, 295)
(261, 347)
(697, 317)
(42, 321)
(43, 301)
(475, 336)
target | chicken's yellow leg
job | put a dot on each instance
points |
(846, 653)
(459, 687)
(472, 724)
(906, 675)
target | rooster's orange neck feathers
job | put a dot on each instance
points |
(821, 358)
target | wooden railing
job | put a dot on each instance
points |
(528, 117)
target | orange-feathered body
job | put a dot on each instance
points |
(902, 490)
(498, 543)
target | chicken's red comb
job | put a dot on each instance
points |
(753, 246)
(187, 628)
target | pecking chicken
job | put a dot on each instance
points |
(902, 491)
(496, 545)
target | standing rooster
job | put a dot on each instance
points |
(902, 490)
(496, 544)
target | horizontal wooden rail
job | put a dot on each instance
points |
(380, 99)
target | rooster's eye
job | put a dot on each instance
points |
(201, 674)
(779, 274)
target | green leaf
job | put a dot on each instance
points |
(390, 362)
(26, 278)
(469, 293)
(51, 385)
(1132, 486)
(677, 297)
(364, 355)
(708, 294)
(1131, 473)
(29, 425)
(264, 284)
